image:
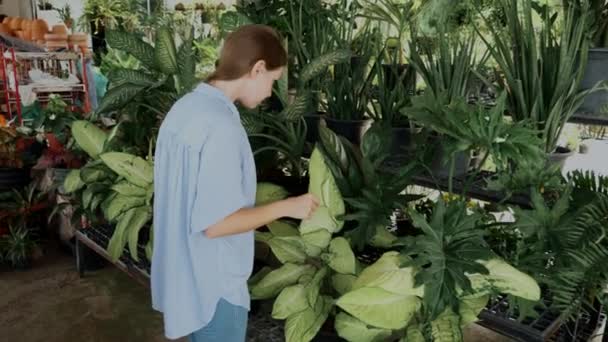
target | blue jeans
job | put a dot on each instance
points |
(229, 324)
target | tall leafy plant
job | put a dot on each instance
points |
(449, 68)
(118, 184)
(146, 94)
(542, 71)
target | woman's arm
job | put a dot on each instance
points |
(246, 219)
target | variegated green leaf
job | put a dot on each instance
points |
(298, 108)
(119, 96)
(131, 44)
(89, 137)
(134, 169)
(136, 77)
(318, 65)
(187, 66)
(141, 216)
(165, 54)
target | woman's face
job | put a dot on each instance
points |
(258, 85)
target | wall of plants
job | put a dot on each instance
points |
(378, 96)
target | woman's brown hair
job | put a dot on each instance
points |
(245, 47)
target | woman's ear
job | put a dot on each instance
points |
(258, 68)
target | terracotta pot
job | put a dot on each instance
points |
(7, 20)
(55, 37)
(78, 37)
(4, 29)
(26, 24)
(19, 34)
(39, 29)
(41, 42)
(59, 29)
(54, 45)
(16, 24)
(27, 34)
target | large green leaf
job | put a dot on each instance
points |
(134, 169)
(320, 64)
(72, 182)
(304, 326)
(380, 308)
(341, 257)
(504, 278)
(298, 108)
(288, 249)
(470, 307)
(323, 186)
(354, 330)
(291, 301)
(127, 189)
(119, 96)
(120, 204)
(187, 66)
(268, 193)
(141, 216)
(343, 283)
(133, 45)
(283, 228)
(95, 172)
(118, 240)
(320, 219)
(277, 280)
(89, 137)
(313, 288)
(137, 77)
(387, 274)
(165, 54)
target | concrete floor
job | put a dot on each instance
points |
(51, 303)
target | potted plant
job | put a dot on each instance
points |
(394, 19)
(311, 32)
(596, 66)
(45, 5)
(541, 77)
(17, 247)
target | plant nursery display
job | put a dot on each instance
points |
(431, 133)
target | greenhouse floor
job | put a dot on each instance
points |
(51, 303)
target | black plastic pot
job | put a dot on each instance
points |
(596, 71)
(441, 163)
(402, 146)
(312, 127)
(352, 130)
(13, 178)
(559, 157)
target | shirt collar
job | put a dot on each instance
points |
(215, 92)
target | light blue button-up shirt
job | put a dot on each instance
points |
(203, 171)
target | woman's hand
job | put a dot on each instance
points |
(301, 207)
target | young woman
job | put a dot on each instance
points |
(205, 184)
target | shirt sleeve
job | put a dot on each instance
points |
(219, 189)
